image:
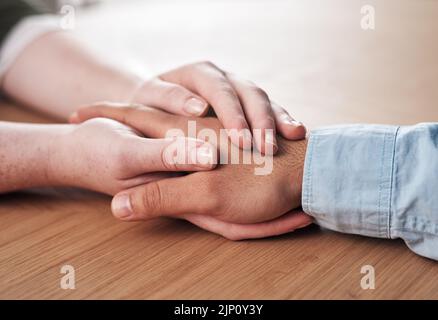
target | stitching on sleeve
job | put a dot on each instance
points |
(391, 184)
(382, 164)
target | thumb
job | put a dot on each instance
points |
(171, 97)
(168, 197)
(172, 154)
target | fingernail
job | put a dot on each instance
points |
(195, 106)
(203, 155)
(121, 206)
(288, 120)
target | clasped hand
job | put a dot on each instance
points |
(128, 155)
(229, 200)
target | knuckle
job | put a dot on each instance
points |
(151, 197)
(206, 63)
(237, 122)
(225, 90)
(119, 161)
(170, 158)
(170, 164)
(175, 93)
(265, 122)
(281, 113)
(210, 67)
(260, 92)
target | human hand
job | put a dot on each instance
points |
(231, 200)
(238, 104)
(230, 193)
(106, 156)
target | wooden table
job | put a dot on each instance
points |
(314, 58)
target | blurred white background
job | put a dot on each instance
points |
(312, 56)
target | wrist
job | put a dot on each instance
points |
(291, 159)
(59, 155)
(301, 157)
(125, 86)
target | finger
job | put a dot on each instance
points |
(169, 197)
(210, 82)
(171, 97)
(287, 126)
(114, 110)
(151, 122)
(259, 113)
(149, 177)
(286, 223)
(173, 154)
(146, 178)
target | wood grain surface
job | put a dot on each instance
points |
(314, 59)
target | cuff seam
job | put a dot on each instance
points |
(391, 184)
(307, 182)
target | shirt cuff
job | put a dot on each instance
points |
(347, 183)
(22, 35)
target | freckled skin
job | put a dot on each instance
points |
(99, 154)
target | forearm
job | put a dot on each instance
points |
(25, 155)
(56, 74)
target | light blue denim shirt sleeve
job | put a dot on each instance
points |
(375, 180)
